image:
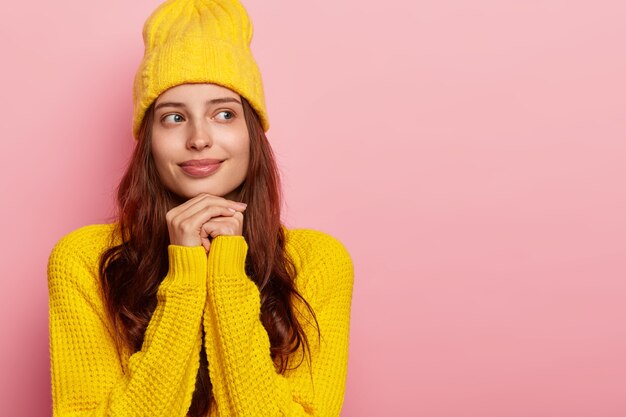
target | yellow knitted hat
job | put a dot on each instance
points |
(202, 41)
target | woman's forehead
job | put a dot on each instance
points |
(191, 91)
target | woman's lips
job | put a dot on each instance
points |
(199, 171)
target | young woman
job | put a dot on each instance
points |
(196, 300)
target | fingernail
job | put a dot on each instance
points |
(232, 209)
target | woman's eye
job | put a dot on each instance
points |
(177, 117)
(227, 114)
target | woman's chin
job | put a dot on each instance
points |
(189, 194)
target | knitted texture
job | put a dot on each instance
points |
(197, 41)
(91, 377)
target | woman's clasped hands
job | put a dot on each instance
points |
(204, 216)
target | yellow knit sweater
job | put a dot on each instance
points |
(91, 378)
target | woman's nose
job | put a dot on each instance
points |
(200, 136)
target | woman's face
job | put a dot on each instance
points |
(194, 122)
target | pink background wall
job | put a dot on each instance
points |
(470, 155)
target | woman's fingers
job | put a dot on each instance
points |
(187, 230)
(175, 211)
(223, 226)
(185, 222)
(201, 200)
(206, 243)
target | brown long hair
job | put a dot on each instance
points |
(132, 271)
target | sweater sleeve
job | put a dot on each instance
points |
(245, 380)
(86, 371)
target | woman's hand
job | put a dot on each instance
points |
(191, 223)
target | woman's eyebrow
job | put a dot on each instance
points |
(213, 101)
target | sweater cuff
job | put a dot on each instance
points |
(227, 255)
(187, 266)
